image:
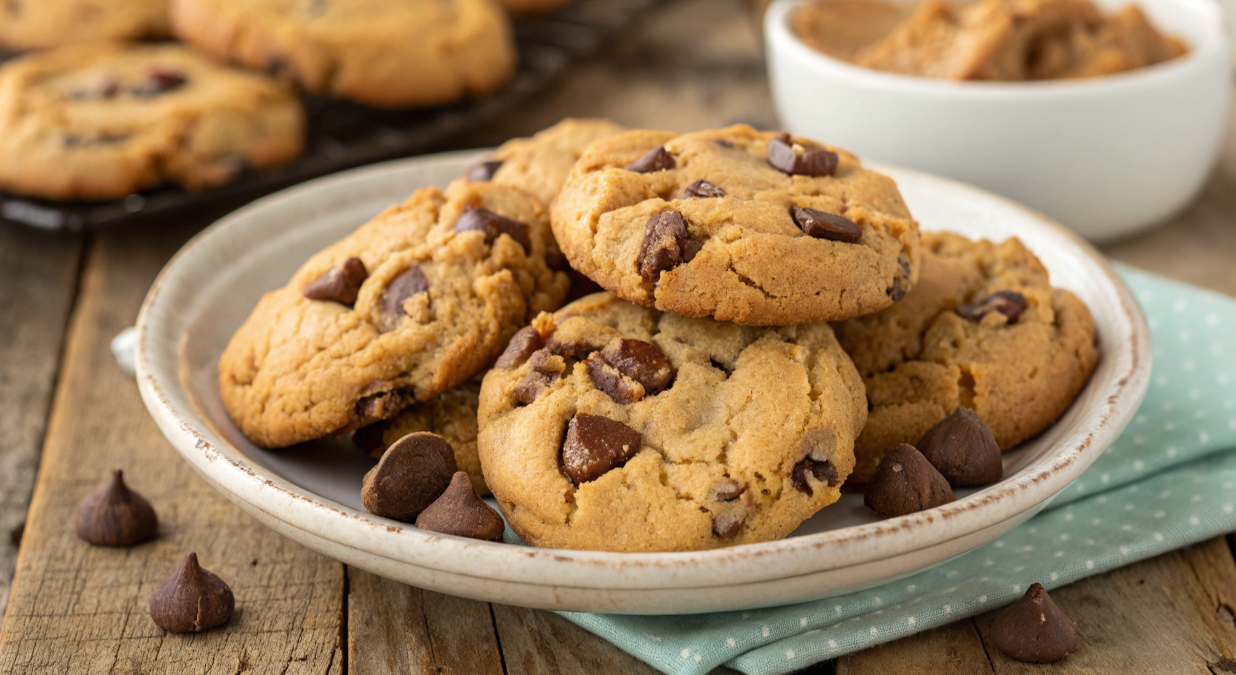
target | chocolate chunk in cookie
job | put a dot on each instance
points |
(482, 171)
(641, 361)
(800, 160)
(403, 287)
(824, 225)
(340, 283)
(963, 450)
(494, 225)
(904, 483)
(727, 525)
(596, 444)
(667, 244)
(522, 345)
(657, 159)
(1034, 629)
(725, 490)
(703, 188)
(412, 473)
(1009, 303)
(545, 368)
(613, 382)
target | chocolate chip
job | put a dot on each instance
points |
(822, 471)
(824, 225)
(727, 525)
(962, 448)
(1034, 629)
(526, 341)
(609, 380)
(340, 283)
(482, 171)
(1009, 303)
(801, 160)
(657, 159)
(461, 513)
(898, 290)
(114, 515)
(596, 444)
(493, 225)
(905, 482)
(725, 490)
(641, 361)
(403, 287)
(159, 81)
(703, 188)
(412, 473)
(667, 244)
(544, 369)
(191, 600)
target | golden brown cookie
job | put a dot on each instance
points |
(451, 415)
(610, 426)
(738, 225)
(38, 24)
(102, 120)
(407, 53)
(983, 329)
(413, 303)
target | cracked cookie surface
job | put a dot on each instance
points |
(38, 24)
(611, 426)
(103, 120)
(708, 224)
(392, 54)
(413, 303)
(539, 165)
(963, 338)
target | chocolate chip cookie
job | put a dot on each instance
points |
(451, 415)
(102, 120)
(392, 54)
(984, 330)
(611, 426)
(539, 165)
(38, 24)
(756, 228)
(415, 302)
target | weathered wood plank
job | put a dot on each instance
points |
(541, 643)
(397, 629)
(38, 278)
(77, 608)
(954, 649)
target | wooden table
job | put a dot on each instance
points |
(68, 415)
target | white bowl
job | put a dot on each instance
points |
(1105, 156)
(312, 493)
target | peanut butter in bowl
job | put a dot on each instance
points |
(997, 40)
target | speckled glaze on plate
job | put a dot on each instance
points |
(312, 493)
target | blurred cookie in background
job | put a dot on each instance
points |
(402, 54)
(103, 120)
(37, 24)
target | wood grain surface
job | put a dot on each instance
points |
(75, 608)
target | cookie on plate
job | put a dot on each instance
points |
(451, 415)
(102, 120)
(983, 329)
(38, 24)
(611, 426)
(540, 164)
(413, 303)
(391, 54)
(755, 228)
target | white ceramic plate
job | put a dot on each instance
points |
(312, 493)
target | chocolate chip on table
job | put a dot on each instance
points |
(801, 160)
(824, 225)
(412, 473)
(727, 525)
(596, 444)
(641, 361)
(191, 600)
(461, 513)
(904, 483)
(544, 369)
(1009, 303)
(482, 171)
(703, 188)
(114, 515)
(403, 287)
(1034, 629)
(962, 448)
(522, 345)
(494, 225)
(340, 283)
(657, 159)
(667, 244)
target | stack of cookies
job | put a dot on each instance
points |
(774, 326)
(98, 116)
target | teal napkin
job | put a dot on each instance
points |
(1168, 481)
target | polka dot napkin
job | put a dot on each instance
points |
(1168, 481)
